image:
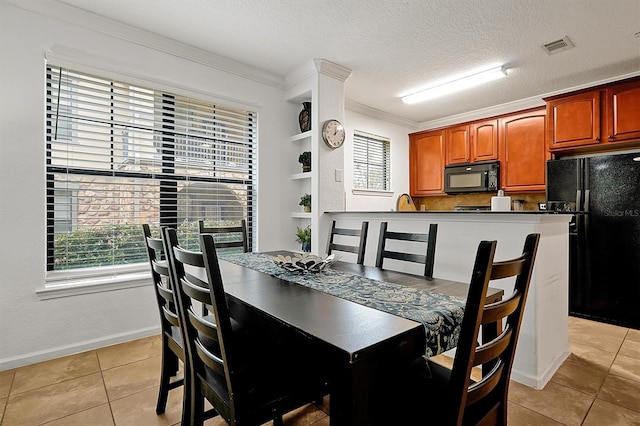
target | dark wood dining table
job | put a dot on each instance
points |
(360, 343)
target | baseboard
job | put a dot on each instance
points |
(540, 381)
(87, 345)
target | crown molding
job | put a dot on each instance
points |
(506, 108)
(380, 115)
(332, 69)
(509, 107)
(81, 18)
(314, 67)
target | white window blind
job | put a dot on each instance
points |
(119, 155)
(371, 162)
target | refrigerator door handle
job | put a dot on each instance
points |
(586, 200)
(578, 199)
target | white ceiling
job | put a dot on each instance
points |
(395, 47)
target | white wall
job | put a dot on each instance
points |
(399, 136)
(35, 329)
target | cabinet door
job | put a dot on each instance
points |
(484, 140)
(457, 145)
(426, 163)
(523, 151)
(623, 112)
(574, 120)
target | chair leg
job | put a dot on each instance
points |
(169, 369)
(196, 410)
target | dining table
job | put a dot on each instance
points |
(367, 322)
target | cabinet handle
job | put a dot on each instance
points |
(597, 139)
(611, 137)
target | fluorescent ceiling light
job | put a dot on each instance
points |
(456, 85)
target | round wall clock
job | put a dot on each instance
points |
(333, 133)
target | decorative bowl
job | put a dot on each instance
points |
(303, 263)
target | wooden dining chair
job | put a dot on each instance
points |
(361, 234)
(172, 347)
(459, 399)
(245, 380)
(227, 236)
(426, 259)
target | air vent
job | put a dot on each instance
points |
(558, 46)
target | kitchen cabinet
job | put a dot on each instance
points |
(484, 140)
(594, 120)
(574, 121)
(426, 163)
(457, 145)
(523, 153)
(623, 112)
(470, 143)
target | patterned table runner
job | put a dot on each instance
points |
(440, 314)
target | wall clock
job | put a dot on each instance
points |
(333, 133)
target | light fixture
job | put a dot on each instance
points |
(456, 85)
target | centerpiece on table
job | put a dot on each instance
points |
(303, 263)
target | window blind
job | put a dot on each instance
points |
(119, 155)
(371, 162)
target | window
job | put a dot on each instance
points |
(119, 155)
(371, 162)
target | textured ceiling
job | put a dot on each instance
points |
(395, 47)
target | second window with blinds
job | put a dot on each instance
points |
(371, 162)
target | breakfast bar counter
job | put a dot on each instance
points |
(543, 343)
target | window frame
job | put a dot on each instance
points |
(360, 137)
(61, 283)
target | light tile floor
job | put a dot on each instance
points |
(599, 384)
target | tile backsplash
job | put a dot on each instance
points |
(448, 202)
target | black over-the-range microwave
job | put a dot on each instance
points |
(472, 177)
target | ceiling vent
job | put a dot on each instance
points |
(558, 46)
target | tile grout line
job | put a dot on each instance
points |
(106, 391)
(607, 376)
(4, 410)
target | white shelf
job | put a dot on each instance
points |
(301, 136)
(305, 175)
(301, 215)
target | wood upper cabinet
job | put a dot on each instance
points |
(458, 145)
(595, 119)
(574, 120)
(484, 140)
(623, 112)
(473, 142)
(523, 151)
(426, 163)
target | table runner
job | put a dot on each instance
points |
(440, 314)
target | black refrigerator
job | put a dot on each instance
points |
(604, 234)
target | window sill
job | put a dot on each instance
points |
(372, 193)
(65, 285)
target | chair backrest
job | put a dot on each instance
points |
(360, 233)
(161, 280)
(227, 236)
(427, 259)
(486, 400)
(208, 341)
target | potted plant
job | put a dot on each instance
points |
(305, 160)
(305, 201)
(304, 237)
